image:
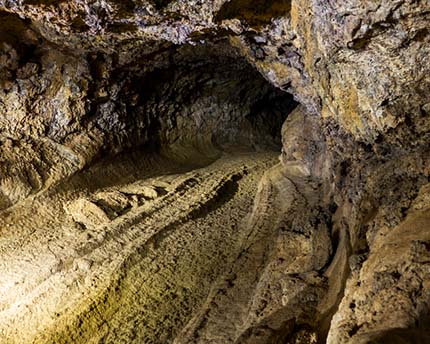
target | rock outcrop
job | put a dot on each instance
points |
(140, 199)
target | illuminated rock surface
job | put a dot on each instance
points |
(159, 184)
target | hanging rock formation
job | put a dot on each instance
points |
(196, 171)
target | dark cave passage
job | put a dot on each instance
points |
(206, 95)
(93, 105)
(143, 236)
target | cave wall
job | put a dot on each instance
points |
(71, 90)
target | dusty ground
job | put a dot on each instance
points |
(125, 251)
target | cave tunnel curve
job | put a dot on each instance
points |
(159, 184)
(207, 93)
(190, 95)
(99, 125)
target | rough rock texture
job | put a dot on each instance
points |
(195, 235)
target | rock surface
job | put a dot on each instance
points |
(140, 198)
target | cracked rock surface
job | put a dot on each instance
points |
(226, 171)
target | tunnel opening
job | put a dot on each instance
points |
(206, 95)
(203, 98)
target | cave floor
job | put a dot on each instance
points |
(125, 251)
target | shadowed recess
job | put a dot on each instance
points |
(254, 14)
(160, 4)
(44, 2)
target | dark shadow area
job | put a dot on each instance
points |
(255, 14)
(44, 2)
(395, 336)
(15, 31)
(206, 94)
(160, 4)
